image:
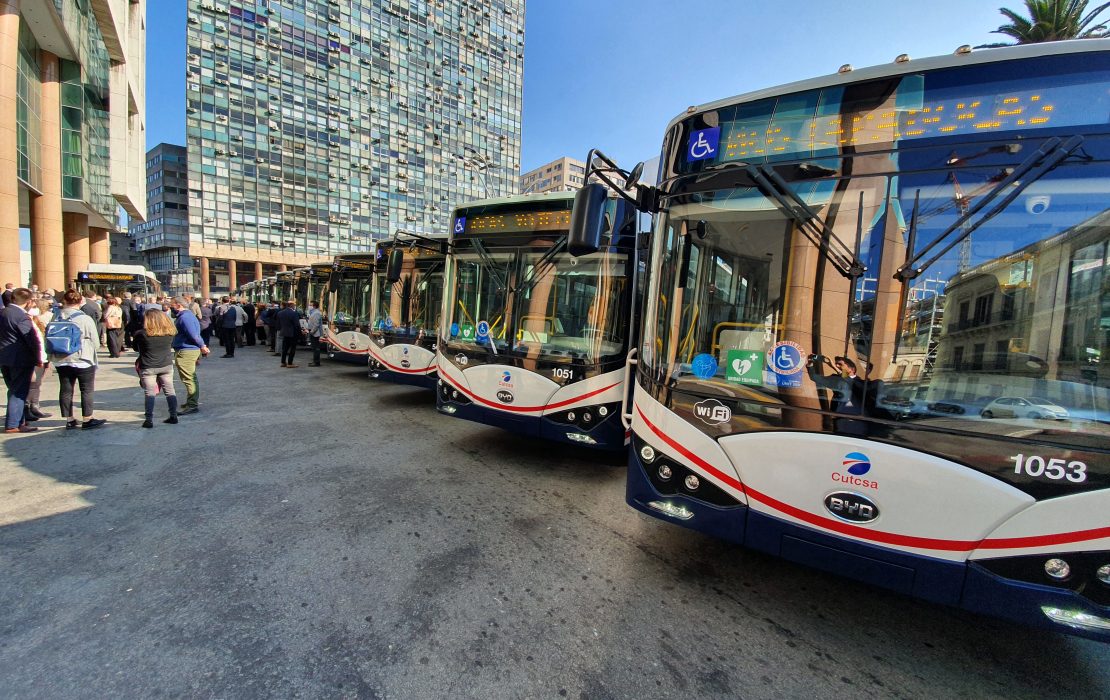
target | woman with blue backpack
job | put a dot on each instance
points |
(71, 340)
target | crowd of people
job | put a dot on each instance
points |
(43, 331)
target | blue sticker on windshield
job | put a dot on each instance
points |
(703, 144)
(704, 366)
(786, 358)
(388, 323)
(483, 330)
(454, 329)
(460, 224)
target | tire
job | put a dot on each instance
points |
(987, 414)
(1035, 415)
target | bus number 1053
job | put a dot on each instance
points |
(1054, 468)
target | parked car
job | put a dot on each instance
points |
(1022, 407)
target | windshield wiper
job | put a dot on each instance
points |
(546, 262)
(812, 227)
(490, 264)
(1047, 157)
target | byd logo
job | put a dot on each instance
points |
(851, 507)
(505, 396)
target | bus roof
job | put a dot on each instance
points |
(1008, 53)
(518, 198)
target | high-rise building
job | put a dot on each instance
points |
(316, 127)
(72, 130)
(559, 175)
(163, 240)
(122, 248)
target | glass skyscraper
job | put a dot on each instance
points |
(315, 127)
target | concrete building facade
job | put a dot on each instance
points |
(163, 239)
(316, 128)
(72, 130)
(559, 175)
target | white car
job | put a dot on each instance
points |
(1021, 407)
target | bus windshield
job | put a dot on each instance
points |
(410, 306)
(1004, 332)
(352, 295)
(538, 301)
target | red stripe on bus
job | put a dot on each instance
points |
(525, 409)
(403, 370)
(731, 481)
(878, 535)
(352, 351)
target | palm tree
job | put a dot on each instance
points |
(1053, 20)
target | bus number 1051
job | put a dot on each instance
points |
(1054, 468)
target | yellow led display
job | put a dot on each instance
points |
(519, 223)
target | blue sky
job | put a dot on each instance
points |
(611, 73)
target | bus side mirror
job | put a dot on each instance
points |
(587, 220)
(394, 265)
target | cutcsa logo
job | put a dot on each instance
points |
(857, 463)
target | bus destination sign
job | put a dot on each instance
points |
(94, 277)
(524, 222)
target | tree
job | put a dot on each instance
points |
(1052, 20)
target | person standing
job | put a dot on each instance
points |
(289, 321)
(128, 308)
(240, 322)
(41, 320)
(7, 295)
(92, 309)
(78, 367)
(113, 326)
(188, 348)
(155, 363)
(260, 322)
(273, 327)
(315, 330)
(206, 321)
(231, 321)
(20, 353)
(248, 325)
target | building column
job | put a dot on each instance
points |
(258, 271)
(9, 179)
(232, 283)
(47, 239)
(100, 248)
(205, 279)
(75, 229)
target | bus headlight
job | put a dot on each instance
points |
(647, 453)
(665, 472)
(692, 482)
(1103, 574)
(1057, 569)
(603, 411)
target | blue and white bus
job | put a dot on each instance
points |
(347, 308)
(406, 301)
(875, 317)
(533, 339)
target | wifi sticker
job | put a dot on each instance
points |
(744, 367)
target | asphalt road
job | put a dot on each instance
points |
(313, 534)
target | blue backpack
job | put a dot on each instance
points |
(63, 337)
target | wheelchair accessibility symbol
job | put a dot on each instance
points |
(703, 144)
(786, 358)
(460, 224)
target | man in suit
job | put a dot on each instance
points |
(289, 321)
(20, 353)
(93, 310)
(7, 296)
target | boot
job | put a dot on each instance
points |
(148, 402)
(171, 401)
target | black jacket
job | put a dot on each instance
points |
(93, 310)
(290, 322)
(19, 344)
